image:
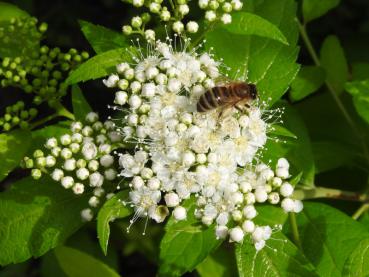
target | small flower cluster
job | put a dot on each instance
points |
(81, 160)
(175, 13)
(42, 72)
(17, 115)
(182, 153)
(21, 35)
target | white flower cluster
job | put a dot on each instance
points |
(182, 153)
(175, 13)
(81, 160)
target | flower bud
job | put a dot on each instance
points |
(51, 143)
(171, 199)
(82, 173)
(179, 213)
(248, 226)
(87, 214)
(93, 165)
(178, 27)
(236, 234)
(110, 174)
(96, 179)
(67, 182)
(286, 189)
(89, 150)
(121, 97)
(57, 174)
(221, 232)
(192, 27)
(36, 173)
(78, 188)
(136, 22)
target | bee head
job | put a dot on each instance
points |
(253, 91)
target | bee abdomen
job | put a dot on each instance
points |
(208, 101)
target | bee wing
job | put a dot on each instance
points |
(223, 80)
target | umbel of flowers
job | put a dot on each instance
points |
(181, 153)
(80, 160)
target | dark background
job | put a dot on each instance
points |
(349, 21)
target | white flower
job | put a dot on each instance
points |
(179, 213)
(57, 174)
(51, 143)
(87, 214)
(82, 173)
(120, 97)
(236, 234)
(178, 27)
(226, 18)
(96, 179)
(111, 81)
(286, 189)
(78, 188)
(288, 205)
(221, 232)
(192, 27)
(89, 150)
(171, 199)
(67, 182)
(248, 226)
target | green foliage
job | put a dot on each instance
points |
(313, 9)
(360, 93)
(80, 104)
(267, 63)
(36, 216)
(308, 80)
(99, 66)
(77, 264)
(9, 11)
(13, 147)
(185, 244)
(110, 211)
(245, 23)
(328, 237)
(334, 62)
(357, 264)
(281, 256)
(101, 38)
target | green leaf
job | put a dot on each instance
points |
(280, 258)
(80, 104)
(357, 264)
(36, 216)
(111, 210)
(101, 38)
(79, 264)
(360, 71)
(313, 9)
(333, 60)
(360, 92)
(9, 11)
(280, 131)
(308, 80)
(221, 263)
(328, 237)
(13, 147)
(297, 151)
(244, 23)
(99, 66)
(267, 63)
(330, 155)
(185, 244)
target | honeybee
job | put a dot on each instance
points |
(227, 95)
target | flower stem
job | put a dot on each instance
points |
(295, 230)
(62, 111)
(314, 56)
(363, 208)
(43, 120)
(322, 192)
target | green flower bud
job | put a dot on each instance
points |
(33, 112)
(36, 174)
(15, 120)
(127, 30)
(23, 125)
(145, 17)
(13, 65)
(43, 27)
(85, 55)
(44, 49)
(37, 100)
(41, 162)
(136, 22)
(7, 117)
(57, 74)
(24, 114)
(81, 163)
(28, 162)
(7, 127)
(38, 153)
(213, 5)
